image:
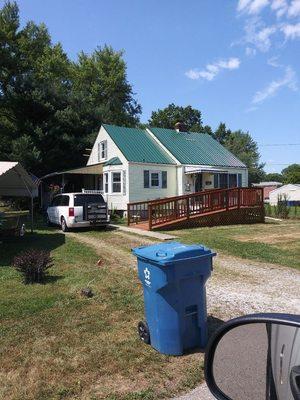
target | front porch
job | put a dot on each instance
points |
(196, 179)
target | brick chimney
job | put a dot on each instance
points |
(180, 127)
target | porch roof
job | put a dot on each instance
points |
(199, 169)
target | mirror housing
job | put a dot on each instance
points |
(268, 318)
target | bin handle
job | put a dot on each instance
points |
(161, 253)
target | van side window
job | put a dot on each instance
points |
(64, 201)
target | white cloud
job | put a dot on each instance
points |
(212, 70)
(294, 9)
(250, 51)
(273, 61)
(280, 7)
(258, 34)
(291, 31)
(288, 80)
(252, 6)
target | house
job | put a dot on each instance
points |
(291, 192)
(146, 164)
(267, 187)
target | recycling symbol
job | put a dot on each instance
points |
(147, 274)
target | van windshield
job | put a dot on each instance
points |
(82, 199)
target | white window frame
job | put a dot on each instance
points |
(106, 182)
(112, 181)
(159, 179)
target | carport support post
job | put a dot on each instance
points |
(31, 213)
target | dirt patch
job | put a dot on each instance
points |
(272, 238)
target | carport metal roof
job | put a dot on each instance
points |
(87, 170)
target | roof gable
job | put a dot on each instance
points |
(193, 148)
(137, 145)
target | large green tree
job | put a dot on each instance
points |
(168, 116)
(243, 146)
(50, 107)
(273, 177)
(291, 174)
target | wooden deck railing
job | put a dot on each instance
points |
(160, 212)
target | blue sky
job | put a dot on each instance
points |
(236, 61)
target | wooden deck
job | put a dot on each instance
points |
(236, 205)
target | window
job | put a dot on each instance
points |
(223, 181)
(56, 201)
(82, 199)
(102, 150)
(232, 180)
(106, 182)
(116, 182)
(154, 179)
(64, 200)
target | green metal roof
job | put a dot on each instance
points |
(137, 145)
(196, 148)
(113, 161)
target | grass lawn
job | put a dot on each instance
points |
(277, 243)
(55, 344)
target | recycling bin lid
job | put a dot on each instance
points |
(166, 253)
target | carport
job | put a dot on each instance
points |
(16, 182)
(72, 180)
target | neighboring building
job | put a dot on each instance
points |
(290, 191)
(268, 187)
(148, 164)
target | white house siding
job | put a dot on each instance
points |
(292, 192)
(137, 192)
(112, 149)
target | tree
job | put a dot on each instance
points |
(50, 107)
(273, 177)
(167, 118)
(245, 148)
(221, 133)
(291, 174)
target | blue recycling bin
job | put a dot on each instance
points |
(174, 277)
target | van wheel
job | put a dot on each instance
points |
(63, 224)
(143, 331)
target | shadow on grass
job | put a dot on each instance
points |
(12, 246)
(213, 324)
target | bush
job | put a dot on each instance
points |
(33, 265)
(282, 209)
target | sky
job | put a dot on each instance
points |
(238, 61)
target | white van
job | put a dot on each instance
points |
(77, 210)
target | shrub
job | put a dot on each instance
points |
(33, 265)
(282, 207)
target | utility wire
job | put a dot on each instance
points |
(280, 144)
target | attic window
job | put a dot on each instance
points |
(102, 150)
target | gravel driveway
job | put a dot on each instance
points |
(240, 287)
(237, 286)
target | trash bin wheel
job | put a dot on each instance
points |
(143, 331)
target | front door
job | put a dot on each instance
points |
(198, 183)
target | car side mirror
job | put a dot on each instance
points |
(255, 358)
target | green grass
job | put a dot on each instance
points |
(55, 344)
(276, 243)
(294, 211)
